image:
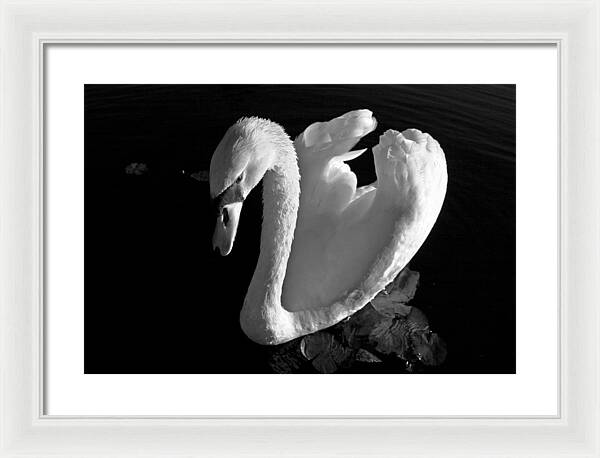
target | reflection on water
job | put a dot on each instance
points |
(386, 331)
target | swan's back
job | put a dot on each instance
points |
(349, 243)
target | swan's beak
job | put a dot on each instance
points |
(226, 228)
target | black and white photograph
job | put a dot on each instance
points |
(300, 229)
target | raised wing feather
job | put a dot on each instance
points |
(328, 184)
(349, 243)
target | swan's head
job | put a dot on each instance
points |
(238, 164)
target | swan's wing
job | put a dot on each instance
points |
(349, 243)
(328, 184)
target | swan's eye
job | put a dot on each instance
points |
(225, 216)
(240, 178)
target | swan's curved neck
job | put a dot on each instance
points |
(262, 312)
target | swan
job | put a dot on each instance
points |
(326, 247)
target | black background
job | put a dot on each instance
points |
(159, 300)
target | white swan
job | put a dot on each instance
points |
(326, 247)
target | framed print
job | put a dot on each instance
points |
(226, 236)
(154, 144)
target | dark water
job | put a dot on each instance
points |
(158, 300)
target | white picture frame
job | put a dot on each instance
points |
(27, 26)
